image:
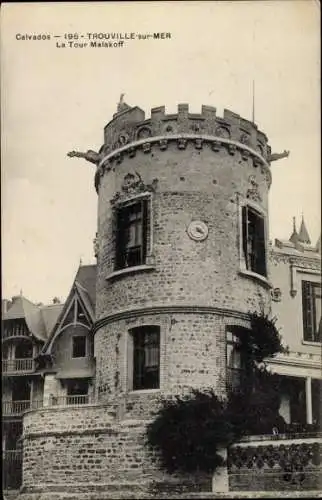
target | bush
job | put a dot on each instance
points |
(189, 431)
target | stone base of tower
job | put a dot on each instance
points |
(88, 453)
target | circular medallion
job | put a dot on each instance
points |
(197, 230)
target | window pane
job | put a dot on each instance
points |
(311, 305)
(235, 362)
(317, 310)
(78, 387)
(131, 235)
(146, 358)
(79, 347)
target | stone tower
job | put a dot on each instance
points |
(181, 248)
(182, 257)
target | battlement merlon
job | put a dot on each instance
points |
(132, 125)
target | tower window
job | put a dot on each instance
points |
(233, 362)
(254, 240)
(146, 357)
(79, 346)
(131, 244)
(311, 306)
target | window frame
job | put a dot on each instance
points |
(85, 346)
(261, 214)
(145, 200)
(134, 351)
(232, 341)
(310, 321)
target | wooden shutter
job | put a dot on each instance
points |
(245, 234)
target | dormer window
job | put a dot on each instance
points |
(131, 244)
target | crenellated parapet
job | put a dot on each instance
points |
(129, 132)
(131, 126)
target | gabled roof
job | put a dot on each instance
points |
(84, 286)
(86, 277)
(39, 319)
(50, 314)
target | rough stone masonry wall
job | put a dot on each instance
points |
(192, 185)
(87, 450)
(192, 354)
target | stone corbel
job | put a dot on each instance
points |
(163, 144)
(216, 145)
(182, 143)
(256, 162)
(232, 149)
(245, 154)
(131, 152)
(198, 143)
(118, 158)
(146, 147)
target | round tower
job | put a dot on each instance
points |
(181, 249)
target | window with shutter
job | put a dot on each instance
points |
(253, 235)
(131, 240)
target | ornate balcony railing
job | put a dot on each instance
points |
(17, 408)
(14, 366)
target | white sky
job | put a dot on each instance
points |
(55, 100)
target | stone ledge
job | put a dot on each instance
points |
(139, 495)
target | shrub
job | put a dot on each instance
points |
(189, 431)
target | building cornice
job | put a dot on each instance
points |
(167, 309)
(216, 143)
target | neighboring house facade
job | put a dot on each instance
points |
(25, 329)
(47, 359)
(67, 358)
(296, 303)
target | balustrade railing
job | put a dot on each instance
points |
(12, 468)
(80, 399)
(17, 408)
(18, 365)
(14, 330)
(10, 408)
